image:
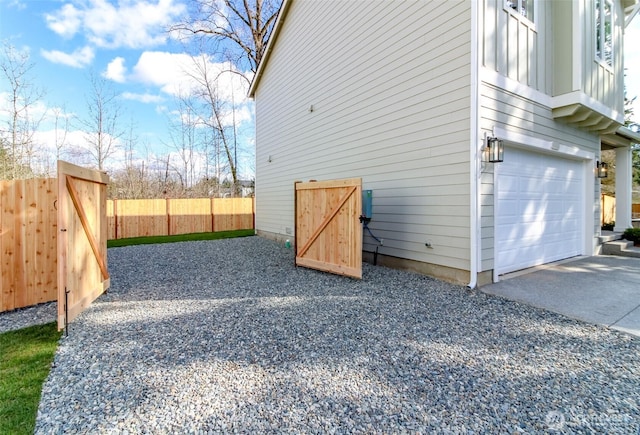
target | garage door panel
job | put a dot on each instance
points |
(507, 184)
(538, 210)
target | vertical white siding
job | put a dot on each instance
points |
(540, 54)
(389, 83)
(600, 81)
(514, 46)
(574, 35)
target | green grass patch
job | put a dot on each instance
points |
(25, 360)
(179, 238)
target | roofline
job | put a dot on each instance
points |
(627, 133)
(272, 40)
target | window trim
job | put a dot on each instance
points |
(599, 33)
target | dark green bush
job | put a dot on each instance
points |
(632, 234)
(608, 226)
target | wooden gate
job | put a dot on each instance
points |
(328, 232)
(82, 239)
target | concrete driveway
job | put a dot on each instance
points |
(604, 290)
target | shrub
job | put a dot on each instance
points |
(608, 226)
(632, 234)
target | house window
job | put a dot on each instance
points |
(523, 7)
(604, 31)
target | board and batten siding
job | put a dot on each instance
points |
(600, 81)
(514, 46)
(542, 53)
(574, 38)
(500, 108)
(378, 90)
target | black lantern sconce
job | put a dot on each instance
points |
(494, 150)
(602, 169)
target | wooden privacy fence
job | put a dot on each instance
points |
(28, 237)
(608, 209)
(53, 241)
(162, 217)
(328, 233)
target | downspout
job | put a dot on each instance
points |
(473, 146)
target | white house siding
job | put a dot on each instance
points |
(600, 81)
(541, 53)
(503, 109)
(514, 46)
(389, 83)
(527, 63)
(573, 24)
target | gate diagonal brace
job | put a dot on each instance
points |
(85, 224)
(326, 221)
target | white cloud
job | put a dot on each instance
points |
(74, 147)
(128, 23)
(66, 21)
(38, 110)
(143, 98)
(116, 70)
(178, 73)
(78, 59)
(161, 69)
(242, 114)
(16, 4)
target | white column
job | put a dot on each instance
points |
(623, 188)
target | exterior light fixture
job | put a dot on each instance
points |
(494, 150)
(602, 169)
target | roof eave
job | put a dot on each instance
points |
(626, 132)
(272, 39)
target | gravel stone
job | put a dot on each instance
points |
(229, 336)
(23, 317)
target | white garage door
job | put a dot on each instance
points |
(538, 210)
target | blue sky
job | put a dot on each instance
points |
(125, 41)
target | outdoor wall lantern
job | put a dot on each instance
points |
(494, 150)
(602, 169)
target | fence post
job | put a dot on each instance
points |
(168, 210)
(213, 221)
(115, 219)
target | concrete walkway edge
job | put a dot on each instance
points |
(603, 290)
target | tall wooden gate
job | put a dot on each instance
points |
(328, 230)
(82, 239)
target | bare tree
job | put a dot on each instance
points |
(101, 124)
(130, 182)
(61, 125)
(240, 29)
(184, 140)
(214, 114)
(236, 32)
(22, 118)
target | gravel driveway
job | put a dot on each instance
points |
(228, 336)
